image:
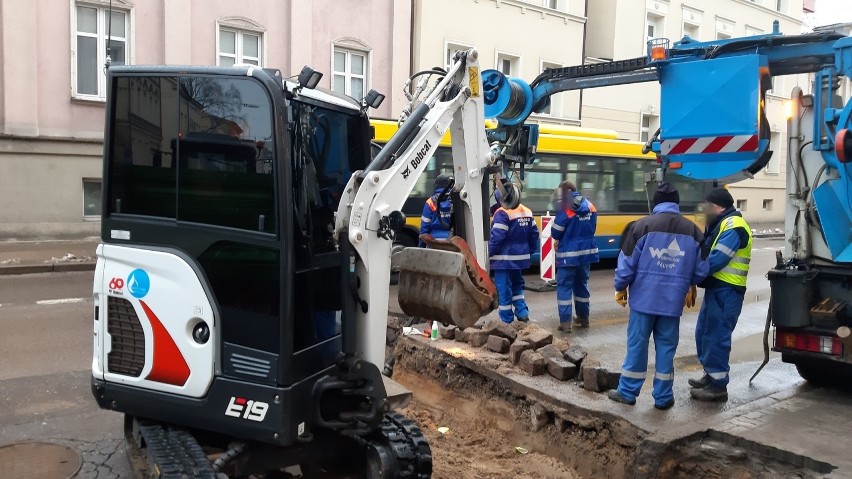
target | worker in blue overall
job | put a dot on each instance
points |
(437, 216)
(574, 231)
(728, 246)
(659, 264)
(514, 237)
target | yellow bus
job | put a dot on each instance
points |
(608, 171)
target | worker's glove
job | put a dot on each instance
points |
(621, 297)
(690, 297)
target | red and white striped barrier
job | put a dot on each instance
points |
(546, 250)
(710, 144)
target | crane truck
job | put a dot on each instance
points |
(242, 281)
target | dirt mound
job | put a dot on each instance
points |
(482, 436)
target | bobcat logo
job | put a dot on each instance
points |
(406, 172)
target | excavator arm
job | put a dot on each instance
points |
(447, 282)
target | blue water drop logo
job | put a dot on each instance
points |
(138, 283)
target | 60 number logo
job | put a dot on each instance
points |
(116, 283)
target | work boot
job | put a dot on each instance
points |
(710, 393)
(665, 406)
(525, 319)
(617, 397)
(703, 382)
(581, 322)
(564, 327)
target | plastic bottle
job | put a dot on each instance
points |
(434, 330)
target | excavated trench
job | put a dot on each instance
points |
(480, 423)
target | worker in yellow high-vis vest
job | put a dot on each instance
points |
(727, 244)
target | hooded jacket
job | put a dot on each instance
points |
(574, 229)
(659, 260)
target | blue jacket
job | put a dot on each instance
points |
(514, 237)
(436, 219)
(574, 229)
(660, 258)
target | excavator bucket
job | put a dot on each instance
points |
(445, 283)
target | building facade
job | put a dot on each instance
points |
(52, 84)
(519, 38)
(619, 29)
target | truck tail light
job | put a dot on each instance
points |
(808, 342)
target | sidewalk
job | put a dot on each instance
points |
(25, 257)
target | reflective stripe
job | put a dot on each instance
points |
(740, 260)
(515, 298)
(510, 257)
(425, 219)
(501, 226)
(506, 307)
(721, 375)
(431, 204)
(664, 377)
(727, 251)
(572, 254)
(632, 375)
(734, 271)
(564, 302)
(581, 300)
(557, 227)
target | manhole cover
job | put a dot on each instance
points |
(38, 460)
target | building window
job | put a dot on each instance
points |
(647, 127)
(691, 30)
(239, 46)
(724, 29)
(553, 108)
(91, 197)
(767, 205)
(561, 5)
(451, 48)
(350, 69)
(92, 25)
(741, 204)
(509, 64)
(655, 25)
(753, 31)
(781, 5)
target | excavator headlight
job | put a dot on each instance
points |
(309, 78)
(374, 99)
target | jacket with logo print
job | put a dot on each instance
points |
(660, 258)
(514, 237)
(574, 229)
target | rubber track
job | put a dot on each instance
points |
(412, 451)
(174, 454)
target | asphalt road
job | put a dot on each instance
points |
(46, 342)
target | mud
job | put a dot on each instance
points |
(487, 422)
